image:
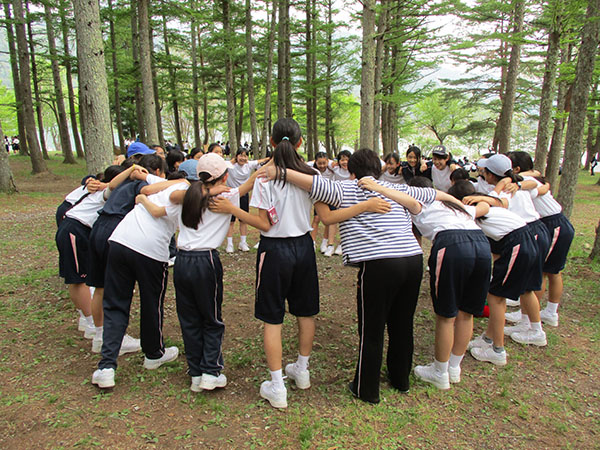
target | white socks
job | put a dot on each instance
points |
(80, 313)
(229, 240)
(455, 360)
(552, 307)
(302, 362)
(242, 240)
(525, 319)
(277, 379)
(441, 367)
(90, 321)
(536, 326)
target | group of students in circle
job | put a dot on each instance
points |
(116, 231)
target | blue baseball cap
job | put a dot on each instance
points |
(189, 166)
(138, 148)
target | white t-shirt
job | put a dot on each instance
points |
(145, 234)
(499, 222)
(211, 230)
(86, 212)
(436, 217)
(520, 203)
(483, 187)
(292, 205)
(339, 174)
(239, 174)
(441, 178)
(328, 174)
(394, 179)
(73, 196)
(545, 204)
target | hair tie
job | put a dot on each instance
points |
(285, 138)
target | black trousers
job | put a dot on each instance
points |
(198, 279)
(125, 267)
(387, 294)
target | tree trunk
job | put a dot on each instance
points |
(503, 74)
(94, 105)
(367, 85)
(314, 111)
(508, 103)
(281, 72)
(135, 55)
(157, 107)
(63, 126)
(36, 86)
(595, 253)
(14, 65)
(287, 69)
(115, 70)
(69, 77)
(230, 92)
(250, 73)
(381, 30)
(579, 101)
(328, 109)
(204, 93)
(592, 121)
(240, 111)
(195, 102)
(149, 109)
(541, 145)
(7, 182)
(264, 140)
(37, 162)
(309, 81)
(172, 81)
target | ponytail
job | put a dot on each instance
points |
(196, 200)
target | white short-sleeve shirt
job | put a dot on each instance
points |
(86, 211)
(239, 174)
(499, 222)
(436, 217)
(545, 205)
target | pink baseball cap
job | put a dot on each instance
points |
(212, 164)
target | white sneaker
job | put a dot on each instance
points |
(430, 375)
(329, 251)
(229, 248)
(454, 374)
(243, 247)
(519, 327)
(130, 345)
(82, 325)
(513, 317)
(301, 377)
(338, 250)
(90, 330)
(323, 247)
(549, 318)
(277, 397)
(104, 378)
(533, 337)
(170, 355)
(256, 245)
(172, 261)
(488, 354)
(478, 342)
(209, 382)
(511, 302)
(195, 386)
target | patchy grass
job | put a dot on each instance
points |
(544, 398)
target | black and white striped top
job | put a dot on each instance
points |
(370, 236)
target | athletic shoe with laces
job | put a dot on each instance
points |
(169, 355)
(513, 317)
(513, 303)
(533, 337)
(488, 354)
(243, 246)
(478, 342)
(229, 248)
(276, 397)
(338, 250)
(454, 374)
(210, 382)
(429, 374)
(519, 327)
(549, 318)
(130, 345)
(104, 378)
(301, 377)
(323, 247)
(329, 251)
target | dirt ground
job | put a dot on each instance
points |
(545, 397)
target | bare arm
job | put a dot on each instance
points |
(492, 201)
(543, 190)
(248, 184)
(157, 187)
(413, 206)
(302, 180)
(224, 206)
(328, 217)
(152, 208)
(481, 209)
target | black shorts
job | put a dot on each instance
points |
(511, 274)
(542, 239)
(101, 231)
(72, 241)
(286, 268)
(244, 204)
(561, 235)
(459, 272)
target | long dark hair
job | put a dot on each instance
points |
(514, 178)
(196, 200)
(110, 172)
(286, 135)
(423, 182)
(523, 161)
(173, 157)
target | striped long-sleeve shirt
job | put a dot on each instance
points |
(369, 236)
